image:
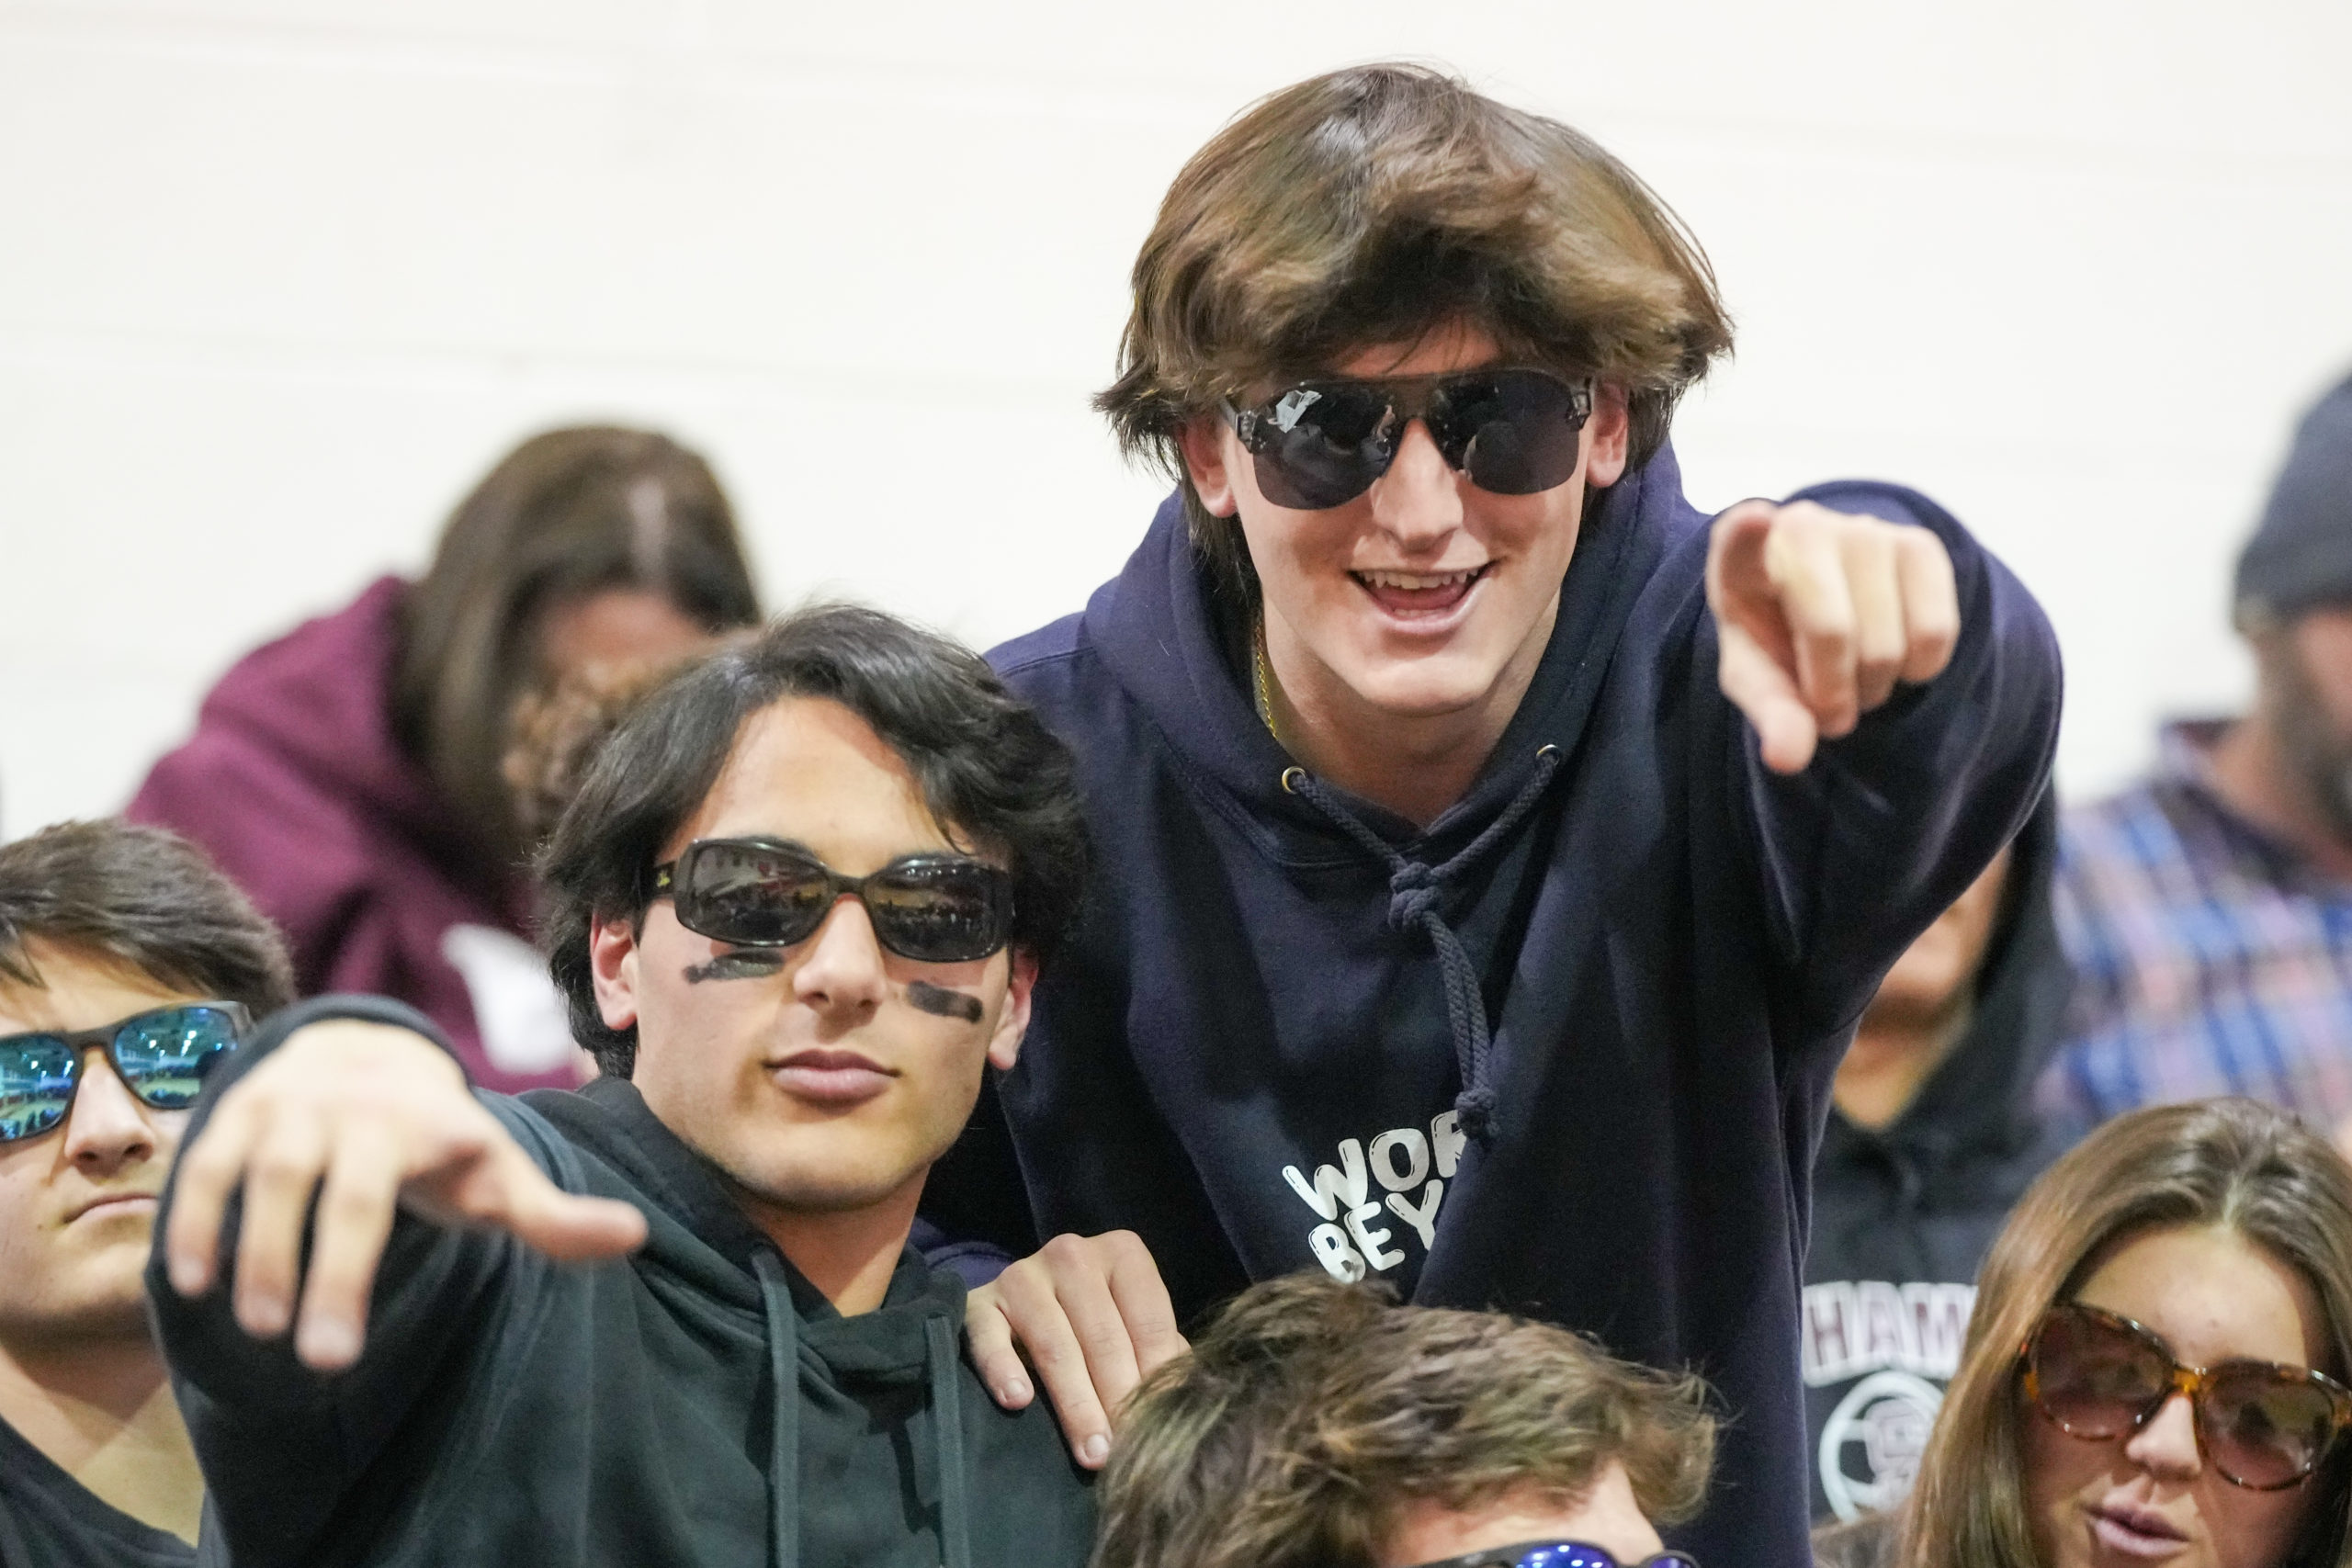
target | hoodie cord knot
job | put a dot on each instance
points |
(1413, 893)
(1416, 895)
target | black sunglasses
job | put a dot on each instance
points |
(1513, 431)
(2262, 1426)
(935, 908)
(1558, 1554)
(163, 1055)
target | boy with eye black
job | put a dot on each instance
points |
(797, 906)
(128, 966)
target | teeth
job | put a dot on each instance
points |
(1421, 582)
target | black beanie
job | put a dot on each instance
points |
(2301, 554)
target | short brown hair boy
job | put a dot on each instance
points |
(1366, 207)
(1312, 1411)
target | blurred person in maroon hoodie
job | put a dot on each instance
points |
(348, 774)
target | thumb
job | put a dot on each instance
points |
(572, 1228)
(511, 1194)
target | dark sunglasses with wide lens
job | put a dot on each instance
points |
(935, 908)
(163, 1055)
(1558, 1554)
(2265, 1426)
(1322, 444)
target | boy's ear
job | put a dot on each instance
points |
(1612, 425)
(1202, 440)
(1004, 1045)
(611, 965)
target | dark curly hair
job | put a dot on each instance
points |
(988, 769)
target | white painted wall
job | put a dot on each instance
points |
(279, 277)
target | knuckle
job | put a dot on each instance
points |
(1056, 1356)
(281, 1166)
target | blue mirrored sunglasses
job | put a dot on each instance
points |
(1557, 1554)
(163, 1055)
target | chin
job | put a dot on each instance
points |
(111, 1304)
(853, 1179)
(1423, 688)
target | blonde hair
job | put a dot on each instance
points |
(2233, 1163)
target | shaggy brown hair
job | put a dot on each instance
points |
(2234, 1163)
(1366, 208)
(1311, 1412)
(143, 898)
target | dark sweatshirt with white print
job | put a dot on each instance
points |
(1903, 1214)
(1566, 1051)
(695, 1403)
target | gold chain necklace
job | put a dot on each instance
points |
(1265, 689)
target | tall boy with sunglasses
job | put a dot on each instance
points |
(1496, 852)
(127, 967)
(797, 908)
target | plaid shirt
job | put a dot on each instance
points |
(2209, 958)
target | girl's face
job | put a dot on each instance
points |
(2148, 1498)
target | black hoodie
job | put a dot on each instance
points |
(514, 1411)
(1902, 1217)
(1262, 1052)
(48, 1520)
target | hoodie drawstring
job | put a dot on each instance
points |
(947, 1421)
(940, 1360)
(1414, 890)
(783, 1443)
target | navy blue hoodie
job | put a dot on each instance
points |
(1249, 1055)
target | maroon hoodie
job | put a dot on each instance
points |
(294, 784)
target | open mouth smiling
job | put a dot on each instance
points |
(1419, 592)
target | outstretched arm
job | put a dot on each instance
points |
(1902, 691)
(370, 1118)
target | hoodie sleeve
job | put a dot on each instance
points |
(1861, 851)
(281, 1445)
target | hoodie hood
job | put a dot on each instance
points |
(296, 787)
(1165, 640)
(319, 700)
(821, 1365)
(1161, 604)
(1979, 1097)
(699, 1229)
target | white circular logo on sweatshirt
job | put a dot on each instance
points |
(1872, 1443)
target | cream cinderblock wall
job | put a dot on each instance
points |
(279, 277)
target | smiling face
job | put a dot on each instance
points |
(828, 1076)
(1425, 595)
(77, 1203)
(2148, 1498)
